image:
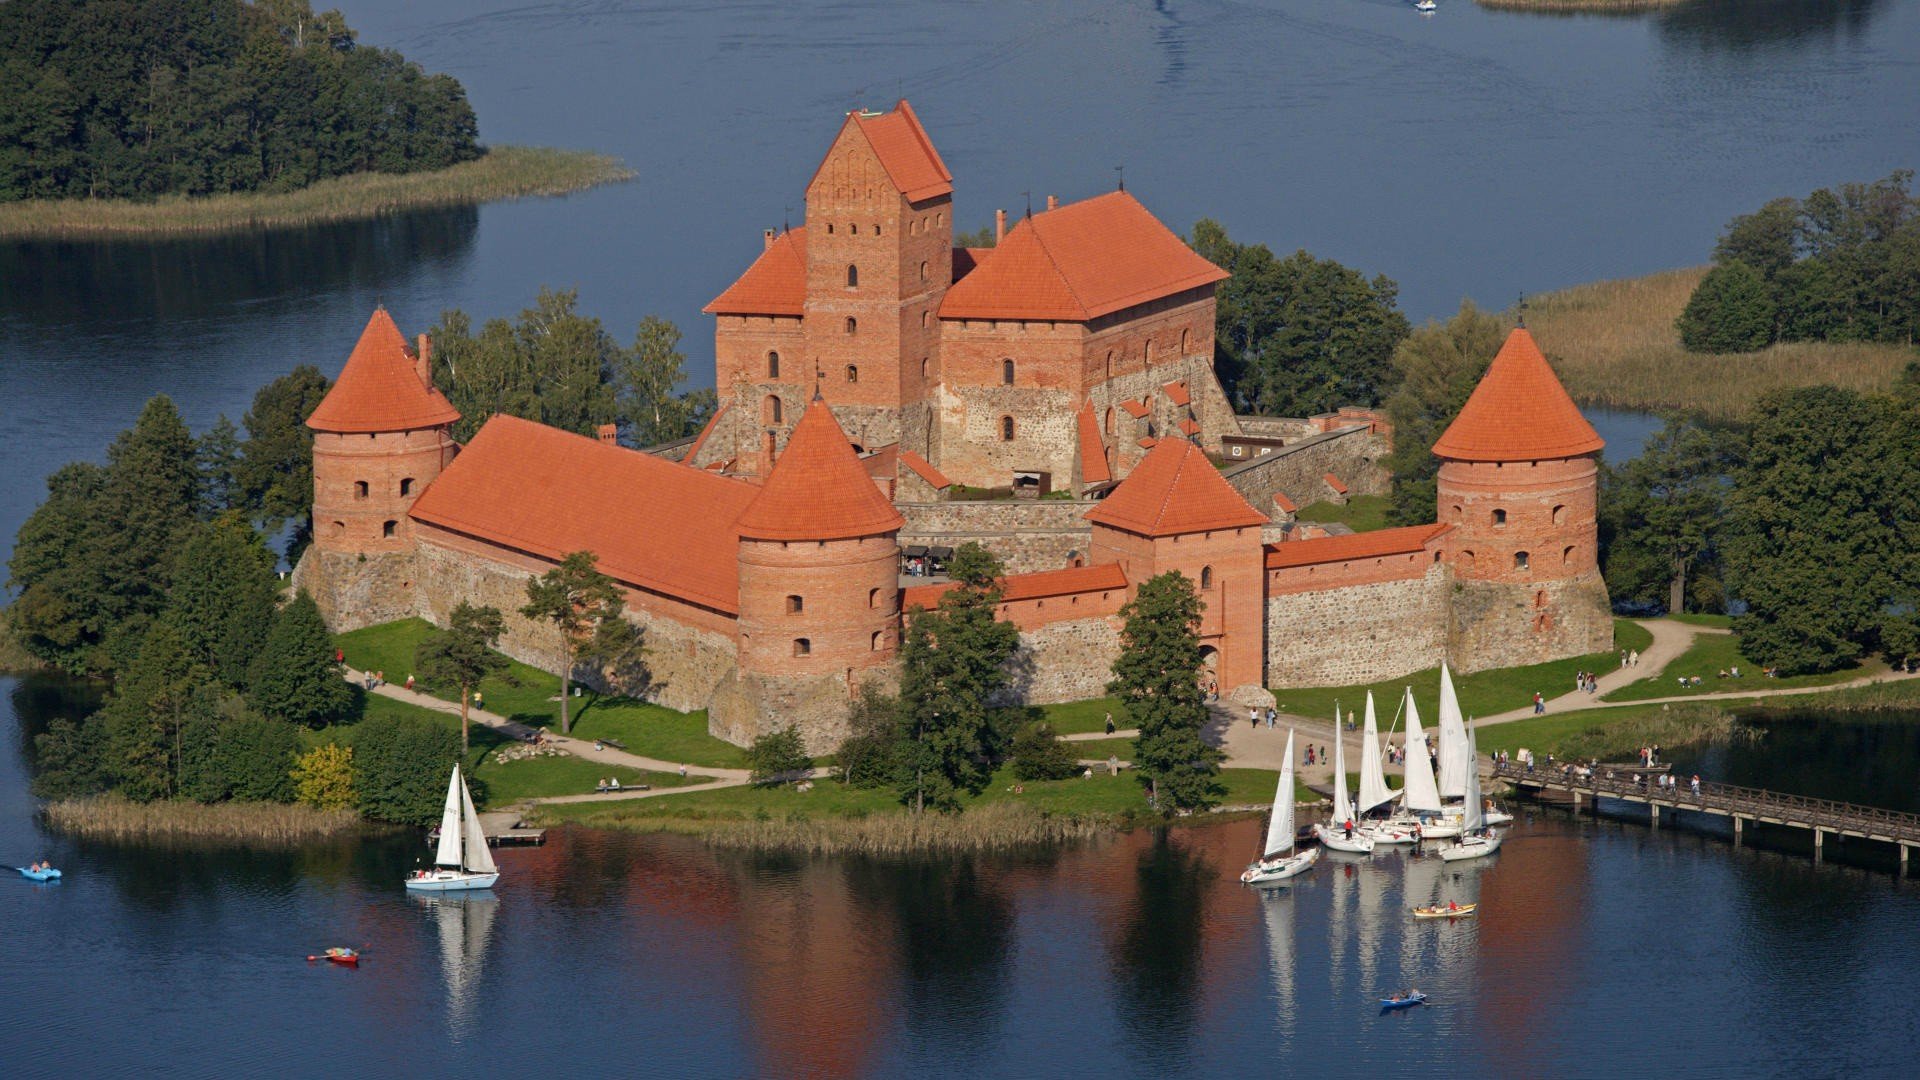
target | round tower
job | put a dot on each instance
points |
(380, 436)
(1518, 482)
(819, 587)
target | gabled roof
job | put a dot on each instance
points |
(817, 489)
(1366, 545)
(1174, 490)
(1135, 408)
(380, 389)
(776, 283)
(653, 522)
(1079, 262)
(904, 151)
(1039, 585)
(1334, 483)
(1093, 453)
(1177, 393)
(700, 440)
(1519, 412)
(924, 469)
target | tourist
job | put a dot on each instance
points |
(339, 656)
(683, 770)
(1309, 753)
(1539, 703)
(1113, 765)
(1109, 721)
(1253, 717)
(1271, 718)
(409, 680)
(476, 699)
(1634, 656)
(1694, 785)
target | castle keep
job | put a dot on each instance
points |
(869, 371)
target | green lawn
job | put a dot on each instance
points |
(1721, 621)
(1362, 513)
(1708, 657)
(656, 732)
(1101, 749)
(1084, 717)
(1481, 694)
(522, 692)
(511, 781)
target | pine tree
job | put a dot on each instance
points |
(1156, 676)
(162, 694)
(462, 654)
(150, 498)
(953, 667)
(223, 596)
(275, 471)
(295, 678)
(578, 600)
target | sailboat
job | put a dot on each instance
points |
(1335, 834)
(1477, 840)
(1422, 792)
(1373, 786)
(1278, 861)
(1455, 759)
(462, 861)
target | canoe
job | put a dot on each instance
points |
(1402, 1003)
(48, 874)
(1444, 913)
(343, 956)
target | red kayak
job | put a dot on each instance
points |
(339, 955)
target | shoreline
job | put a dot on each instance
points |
(278, 826)
(503, 172)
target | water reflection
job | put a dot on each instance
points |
(465, 925)
(1157, 953)
(953, 933)
(1740, 26)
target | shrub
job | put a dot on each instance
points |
(400, 768)
(868, 755)
(778, 756)
(1039, 754)
(1731, 311)
(323, 777)
(67, 759)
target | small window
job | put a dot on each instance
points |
(773, 365)
(1186, 337)
(876, 230)
(879, 639)
(406, 485)
(852, 325)
(853, 276)
(853, 227)
(1519, 560)
(1146, 352)
(829, 228)
(770, 410)
(1458, 514)
(802, 647)
(1499, 517)
(359, 489)
(873, 598)
(1560, 515)
(923, 367)
(1006, 372)
(1566, 556)
(1109, 363)
(853, 373)
(1110, 420)
(339, 528)
(795, 605)
(923, 277)
(923, 320)
(389, 528)
(1206, 577)
(1466, 558)
(1006, 429)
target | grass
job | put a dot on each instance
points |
(1722, 622)
(1712, 654)
(1086, 717)
(658, 732)
(503, 172)
(1101, 749)
(1481, 694)
(1901, 696)
(1611, 734)
(511, 781)
(1613, 343)
(1362, 513)
(261, 824)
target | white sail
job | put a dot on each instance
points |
(1280, 825)
(1472, 817)
(1422, 794)
(1455, 758)
(448, 853)
(1373, 780)
(1342, 806)
(478, 859)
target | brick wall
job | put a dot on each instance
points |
(1027, 535)
(1497, 624)
(1352, 454)
(1545, 509)
(364, 484)
(1356, 633)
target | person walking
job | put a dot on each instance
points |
(1539, 703)
(1109, 721)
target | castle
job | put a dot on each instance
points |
(874, 382)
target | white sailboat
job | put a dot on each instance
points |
(1455, 759)
(1278, 861)
(1477, 840)
(1341, 832)
(1422, 800)
(462, 860)
(1373, 787)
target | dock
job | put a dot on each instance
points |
(503, 828)
(1743, 806)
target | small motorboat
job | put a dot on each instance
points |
(339, 954)
(1388, 1004)
(43, 874)
(1443, 911)
(1426, 6)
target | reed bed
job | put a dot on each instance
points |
(1678, 725)
(504, 172)
(1614, 344)
(255, 824)
(995, 827)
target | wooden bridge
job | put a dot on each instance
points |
(1740, 804)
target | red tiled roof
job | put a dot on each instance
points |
(924, 469)
(1035, 586)
(1134, 408)
(883, 463)
(1079, 262)
(776, 283)
(1177, 393)
(1519, 412)
(550, 493)
(1093, 453)
(1334, 483)
(966, 259)
(1174, 490)
(1190, 426)
(904, 151)
(1366, 545)
(817, 489)
(1147, 443)
(1280, 500)
(380, 389)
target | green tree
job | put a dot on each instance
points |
(463, 654)
(162, 694)
(1768, 240)
(400, 767)
(778, 756)
(554, 366)
(868, 754)
(1040, 754)
(150, 499)
(275, 472)
(217, 455)
(61, 612)
(953, 668)
(223, 596)
(577, 599)
(1435, 371)
(256, 756)
(1156, 677)
(67, 759)
(294, 678)
(1661, 512)
(1731, 311)
(648, 375)
(323, 777)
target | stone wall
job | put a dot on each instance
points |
(1496, 625)
(1352, 454)
(1357, 633)
(746, 706)
(354, 590)
(1070, 660)
(1277, 427)
(1027, 535)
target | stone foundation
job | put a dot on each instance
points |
(1358, 633)
(1071, 660)
(353, 591)
(1027, 535)
(1496, 625)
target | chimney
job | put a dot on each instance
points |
(999, 225)
(769, 238)
(608, 433)
(1053, 202)
(423, 360)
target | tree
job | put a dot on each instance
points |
(577, 599)
(275, 473)
(217, 456)
(1766, 240)
(1156, 677)
(648, 374)
(1041, 754)
(1660, 514)
(554, 366)
(868, 754)
(295, 679)
(462, 654)
(323, 777)
(778, 756)
(61, 611)
(150, 498)
(1731, 311)
(162, 693)
(953, 667)
(400, 766)
(67, 759)
(224, 596)
(1435, 371)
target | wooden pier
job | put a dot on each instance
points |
(1742, 805)
(503, 828)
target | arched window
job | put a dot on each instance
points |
(1560, 515)
(406, 485)
(923, 367)
(876, 230)
(1146, 352)
(851, 325)
(1519, 560)
(770, 410)
(1006, 429)
(802, 647)
(1540, 598)
(923, 320)
(773, 365)
(1458, 514)
(1206, 577)
(873, 598)
(853, 373)
(923, 277)
(1109, 363)
(795, 605)
(1006, 372)
(339, 528)
(1466, 558)
(1185, 338)
(1109, 419)
(829, 228)
(853, 276)
(388, 528)
(879, 639)
(359, 489)
(853, 227)
(1499, 517)
(1566, 556)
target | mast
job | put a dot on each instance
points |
(1373, 779)
(1342, 806)
(1280, 824)
(1422, 793)
(448, 853)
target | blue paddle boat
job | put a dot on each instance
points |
(47, 874)
(1397, 1002)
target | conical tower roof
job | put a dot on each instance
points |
(1519, 412)
(1175, 490)
(818, 489)
(380, 389)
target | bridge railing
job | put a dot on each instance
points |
(1731, 798)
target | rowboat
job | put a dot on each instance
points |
(1440, 911)
(49, 874)
(339, 954)
(1407, 1002)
